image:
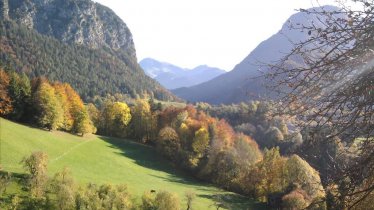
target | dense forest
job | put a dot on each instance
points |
(94, 73)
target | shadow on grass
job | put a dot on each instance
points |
(148, 157)
(15, 187)
(15, 175)
(233, 201)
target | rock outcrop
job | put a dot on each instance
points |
(74, 21)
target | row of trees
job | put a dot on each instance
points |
(258, 119)
(48, 105)
(262, 121)
(63, 193)
(211, 150)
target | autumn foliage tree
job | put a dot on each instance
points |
(300, 173)
(36, 165)
(47, 105)
(295, 200)
(200, 142)
(115, 116)
(167, 201)
(168, 142)
(61, 95)
(5, 100)
(273, 173)
(83, 123)
(143, 122)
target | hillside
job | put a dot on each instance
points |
(79, 42)
(82, 22)
(245, 81)
(172, 76)
(106, 160)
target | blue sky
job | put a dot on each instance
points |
(189, 33)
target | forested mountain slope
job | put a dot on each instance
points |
(79, 42)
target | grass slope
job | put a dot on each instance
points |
(107, 160)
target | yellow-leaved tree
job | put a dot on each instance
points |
(272, 171)
(301, 174)
(142, 121)
(200, 142)
(115, 116)
(75, 115)
(61, 95)
(47, 105)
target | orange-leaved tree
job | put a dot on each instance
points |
(5, 100)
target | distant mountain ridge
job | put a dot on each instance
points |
(172, 76)
(76, 41)
(244, 82)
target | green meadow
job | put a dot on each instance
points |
(98, 159)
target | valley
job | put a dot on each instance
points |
(89, 121)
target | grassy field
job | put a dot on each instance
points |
(170, 103)
(107, 160)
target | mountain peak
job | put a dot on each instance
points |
(307, 18)
(172, 76)
(204, 66)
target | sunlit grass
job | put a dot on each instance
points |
(106, 160)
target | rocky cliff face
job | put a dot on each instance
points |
(81, 22)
